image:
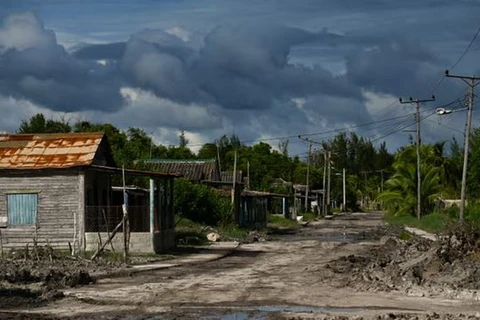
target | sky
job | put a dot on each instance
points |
(265, 70)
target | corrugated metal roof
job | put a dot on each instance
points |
(250, 193)
(194, 170)
(46, 150)
(227, 176)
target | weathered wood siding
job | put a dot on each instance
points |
(59, 193)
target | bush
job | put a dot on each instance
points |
(433, 222)
(281, 222)
(199, 203)
(472, 214)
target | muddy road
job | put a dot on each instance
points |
(328, 269)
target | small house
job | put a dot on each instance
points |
(56, 189)
(195, 170)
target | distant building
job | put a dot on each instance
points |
(194, 170)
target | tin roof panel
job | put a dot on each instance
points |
(42, 151)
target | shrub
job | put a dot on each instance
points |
(199, 203)
(472, 214)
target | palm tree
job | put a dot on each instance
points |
(400, 195)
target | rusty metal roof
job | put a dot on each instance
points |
(193, 170)
(47, 150)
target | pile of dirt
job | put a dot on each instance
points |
(393, 316)
(31, 278)
(448, 267)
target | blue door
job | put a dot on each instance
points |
(22, 209)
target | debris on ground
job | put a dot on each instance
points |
(393, 316)
(213, 236)
(449, 267)
(255, 236)
(35, 276)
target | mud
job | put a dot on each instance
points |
(351, 267)
(449, 267)
(32, 279)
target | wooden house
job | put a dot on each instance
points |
(56, 189)
(195, 170)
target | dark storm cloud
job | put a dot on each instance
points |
(237, 67)
(35, 67)
(108, 51)
(399, 67)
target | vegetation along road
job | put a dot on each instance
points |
(350, 267)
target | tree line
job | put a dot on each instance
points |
(265, 165)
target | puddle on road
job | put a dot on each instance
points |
(328, 237)
(265, 312)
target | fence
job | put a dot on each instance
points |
(253, 212)
(106, 218)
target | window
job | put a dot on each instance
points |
(22, 209)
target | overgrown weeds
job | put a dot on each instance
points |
(309, 216)
(434, 222)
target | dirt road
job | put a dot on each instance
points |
(291, 276)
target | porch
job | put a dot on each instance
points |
(150, 226)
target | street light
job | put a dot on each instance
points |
(443, 111)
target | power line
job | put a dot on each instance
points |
(399, 126)
(315, 133)
(404, 127)
(466, 49)
(440, 80)
(443, 125)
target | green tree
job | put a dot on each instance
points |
(400, 195)
(38, 124)
(208, 151)
(183, 140)
(473, 176)
(201, 204)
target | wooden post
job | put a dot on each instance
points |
(234, 189)
(106, 227)
(152, 213)
(248, 175)
(114, 232)
(125, 218)
(324, 212)
(307, 209)
(1, 244)
(234, 177)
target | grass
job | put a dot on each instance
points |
(434, 222)
(278, 221)
(192, 233)
(232, 233)
(309, 216)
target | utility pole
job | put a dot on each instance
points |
(328, 186)
(234, 178)
(324, 178)
(308, 176)
(248, 175)
(471, 82)
(364, 200)
(218, 159)
(344, 193)
(381, 175)
(419, 177)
